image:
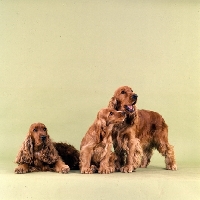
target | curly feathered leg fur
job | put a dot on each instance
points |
(123, 154)
(134, 157)
(167, 150)
(138, 153)
(146, 158)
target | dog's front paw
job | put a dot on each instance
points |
(65, 169)
(105, 170)
(112, 169)
(143, 165)
(21, 169)
(171, 167)
(127, 169)
(86, 170)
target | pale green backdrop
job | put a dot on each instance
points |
(61, 61)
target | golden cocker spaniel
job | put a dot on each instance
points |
(95, 148)
(39, 153)
(148, 126)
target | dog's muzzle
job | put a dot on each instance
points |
(43, 138)
(134, 98)
(130, 108)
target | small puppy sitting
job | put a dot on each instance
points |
(38, 153)
(95, 149)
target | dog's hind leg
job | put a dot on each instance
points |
(167, 150)
(146, 158)
(163, 146)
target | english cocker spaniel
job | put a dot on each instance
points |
(148, 126)
(39, 153)
(95, 148)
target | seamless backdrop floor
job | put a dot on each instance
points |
(151, 183)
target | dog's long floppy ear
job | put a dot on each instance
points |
(100, 119)
(25, 154)
(113, 103)
(100, 126)
(49, 153)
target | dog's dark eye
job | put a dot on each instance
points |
(122, 92)
(44, 129)
(111, 113)
(34, 130)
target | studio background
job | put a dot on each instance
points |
(61, 61)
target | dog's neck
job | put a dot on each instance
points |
(130, 119)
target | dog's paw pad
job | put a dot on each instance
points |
(20, 170)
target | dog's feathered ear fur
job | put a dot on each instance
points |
(101, 121)
(100, 127)
(49, 153)
(113, 103)
(104, 128)
(25, 154)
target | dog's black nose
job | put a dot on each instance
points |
(43, 137)
(134, 97)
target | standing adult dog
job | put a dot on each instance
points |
(148, 126)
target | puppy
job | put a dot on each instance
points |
(148, 126)
(95, 148)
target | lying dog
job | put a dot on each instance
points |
(38, 153)
(95, 148)
(148, 126)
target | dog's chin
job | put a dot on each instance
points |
(123, 122)
(120, 122)
(39, 146)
